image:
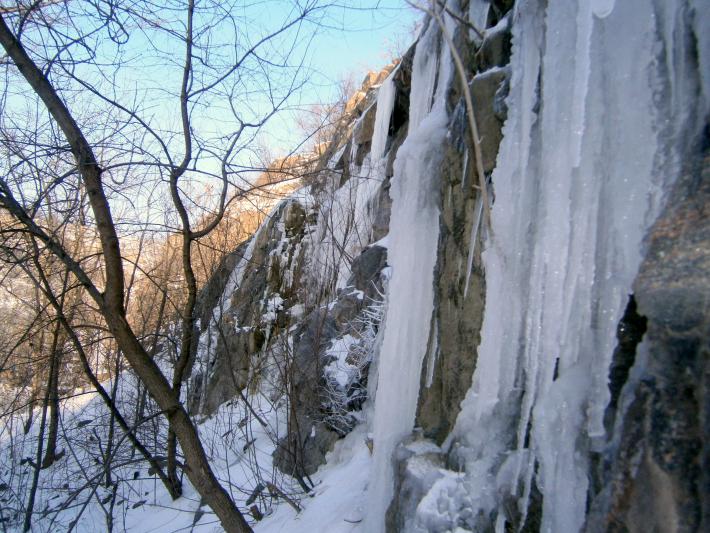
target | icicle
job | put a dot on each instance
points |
(602, 8)
(432, 353)
(478, 211)
(464, 173)
(574, 198)
(414, 233)
(385, 104)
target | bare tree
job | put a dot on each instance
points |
(111, 152)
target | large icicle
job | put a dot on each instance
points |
(414, 232)
(577, 185)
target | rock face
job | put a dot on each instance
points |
(304, 296)
(316, 423)
(259, 307)
(649, 473)
(460, 285)
(655, 472)
(307, 293)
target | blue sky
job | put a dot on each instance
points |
(360, 36)
(346, 40)
(369, 40)
(144, 72)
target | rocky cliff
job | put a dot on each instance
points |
(537, 363)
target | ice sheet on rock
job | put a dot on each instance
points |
(438, 510)
(701, 22)
(347, 211)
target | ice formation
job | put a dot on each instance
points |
(414, 232)
(347, 211)
(597, 91)
(580, 177)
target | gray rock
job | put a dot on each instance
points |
(365, 126)
(228, 370)
(309, 438)
(366, 269)
(299, 454)
(483, 93)
(382, 210)
(655, 472)
(458, 308)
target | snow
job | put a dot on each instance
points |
(273, 305)
(339, 503)
(142, 503)
(339, 369)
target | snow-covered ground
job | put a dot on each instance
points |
(67, 498)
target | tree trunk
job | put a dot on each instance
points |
(111, 424)
(53, 404)
(40, 445)
(197, 466)
(111, 303)
(53, 384)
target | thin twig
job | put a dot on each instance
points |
(471, 25)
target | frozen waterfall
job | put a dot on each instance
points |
(413, 237)
(582, 171)
(597, 115)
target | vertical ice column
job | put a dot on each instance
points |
(414, 233)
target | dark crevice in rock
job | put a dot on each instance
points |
(402, 80)
(499, 9)
(629, 333)
(533, 517)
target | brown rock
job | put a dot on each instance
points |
(483, 93)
